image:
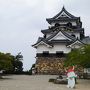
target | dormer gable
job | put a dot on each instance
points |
(76, 44)
(61, 35)
(41, 43)
(62, 15)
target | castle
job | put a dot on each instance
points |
(64, 34)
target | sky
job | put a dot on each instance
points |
(21, 22)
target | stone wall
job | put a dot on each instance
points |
(49, 65)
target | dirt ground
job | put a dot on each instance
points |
(37, 82)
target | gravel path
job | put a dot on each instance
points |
(37, 82)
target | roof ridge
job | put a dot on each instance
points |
(63, 32)
(63, 9)
(67, 35)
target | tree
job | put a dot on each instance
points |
(10, 63)
(85, 56)
(5, 61)
(79, 57)
(17, 63)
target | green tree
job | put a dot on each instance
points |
(85, 56)
(18, 65)
(79, 57)
(5, 61)
(10, 63)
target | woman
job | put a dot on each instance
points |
(71, 77)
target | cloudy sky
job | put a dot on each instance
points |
(21, 22)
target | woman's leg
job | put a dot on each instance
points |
(72, 84)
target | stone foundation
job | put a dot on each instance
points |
(49, 65)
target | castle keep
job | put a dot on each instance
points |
(64, 34)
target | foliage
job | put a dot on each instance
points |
(79, 57)
(30, 71)
(17, 63)
(33, 66)
(11, 64)
(5, 61)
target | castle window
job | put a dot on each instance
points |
(59, 53)
(63, 15)
(69, 24)
(57, 25)
(73, 35)
(45, 53)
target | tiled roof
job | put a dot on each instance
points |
(59, 18)
(75, 41)
(60, 41)
(63, 9)
(63, 32)
(50, 20)
(42, 39)
(46, 31)
(67, 29)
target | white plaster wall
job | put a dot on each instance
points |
(56, 47)
(77, 35)
(73, 23)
